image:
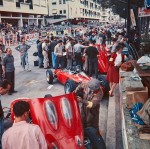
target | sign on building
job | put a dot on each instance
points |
(142, 12)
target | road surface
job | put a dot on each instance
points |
(30, 84)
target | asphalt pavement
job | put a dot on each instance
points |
(31, 84)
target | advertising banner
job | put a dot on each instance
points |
(142, 12)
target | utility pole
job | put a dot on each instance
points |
(128, 18)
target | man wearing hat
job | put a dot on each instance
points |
(90, 94)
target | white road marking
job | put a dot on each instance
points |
(33, 82)
(50, 87)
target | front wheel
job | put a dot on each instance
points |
(70, 86)
(49, 76)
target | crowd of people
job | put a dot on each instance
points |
(64, 52)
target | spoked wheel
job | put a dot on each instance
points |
(70, 86)
(49, 76)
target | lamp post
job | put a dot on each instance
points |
(128, 17)
(68, 11)
(125, 10)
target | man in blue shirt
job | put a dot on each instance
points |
(9, 69)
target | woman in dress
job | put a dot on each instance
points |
(115, 62)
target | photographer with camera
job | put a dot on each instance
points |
(90, 94)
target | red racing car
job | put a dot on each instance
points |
(59, 119)
(72, 77)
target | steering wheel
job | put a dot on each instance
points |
(73, 70)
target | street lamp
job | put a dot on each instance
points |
(125, 10)
(128, 17)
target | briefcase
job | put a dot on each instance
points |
(36, 63)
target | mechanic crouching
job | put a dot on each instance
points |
(90, 94)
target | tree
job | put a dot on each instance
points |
(120, 6)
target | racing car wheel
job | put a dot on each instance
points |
(49, 76)
(70, 86)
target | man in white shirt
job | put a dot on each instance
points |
(69, 51)
(58, 51)
(23, 135)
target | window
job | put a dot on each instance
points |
(64, 1)
(53, 3)
(54, 11)
(60, 11)
(64, 11)
(60, 1)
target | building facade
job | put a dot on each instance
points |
(21, 12)
(79, 10)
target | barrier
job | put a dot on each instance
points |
(66, 31)
(31, 37)
(13, 39)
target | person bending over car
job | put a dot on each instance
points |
(23, 135)
(90, 94)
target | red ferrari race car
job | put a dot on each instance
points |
(72, 77)
(59, 119)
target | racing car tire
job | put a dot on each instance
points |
(70, 86)
(49, 76)
(104, 82)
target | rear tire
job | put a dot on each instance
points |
(70, 86)
(133, 52)
(49, 76)
(104, 82)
